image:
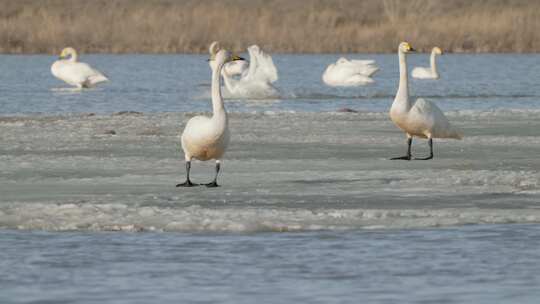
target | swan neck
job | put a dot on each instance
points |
(403, 90)
(74, 56)
(217, 100)
(433, 64)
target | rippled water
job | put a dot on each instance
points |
(475, 264)
(310, 208)
(158, 83)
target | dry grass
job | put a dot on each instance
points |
(167, 26)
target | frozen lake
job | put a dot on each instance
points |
(310, 208)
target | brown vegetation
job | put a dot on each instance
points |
(188, 26)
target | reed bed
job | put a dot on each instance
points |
(295, 26)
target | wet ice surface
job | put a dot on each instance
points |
(283, 172)
(471, 264)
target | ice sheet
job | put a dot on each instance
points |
(284, 171)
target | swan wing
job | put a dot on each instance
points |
(344, 75)
(429, 119)
(77, 73)
(422, 73)
(354, 62)
(359, 79)
(204, 139)
(261, 66)
(362, 62)
(237, 67)
(364, 67)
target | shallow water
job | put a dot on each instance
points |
(310, 208)
(165, 83)
(473, 264)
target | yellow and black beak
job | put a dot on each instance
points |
(412, 49)
(236, 57)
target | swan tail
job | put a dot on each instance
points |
(97, 79)
(371, 70)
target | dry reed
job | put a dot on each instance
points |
(315, 26)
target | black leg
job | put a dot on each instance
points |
(214, 182)
(430, 142)
(188, 182)
(408, 156)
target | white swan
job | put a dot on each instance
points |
(233, 68)
(349, 72)
(421, 118)
(75, 73)
(254, 82)
(206, 138)
(431, 72)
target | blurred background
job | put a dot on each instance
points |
(301, 26)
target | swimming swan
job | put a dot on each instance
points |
(431, 72)
(75, 73)
(206, 138)
(349, 72)
(254, 82)
(421, 118)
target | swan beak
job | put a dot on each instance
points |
(412, 50)
(235, 57)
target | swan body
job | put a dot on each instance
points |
(75, 73)
(431, 72)
(421, 118)
(350, 72)
(255, 81)
(205, 138)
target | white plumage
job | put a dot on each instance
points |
(421, 118)
(75, 73)
(431, 72)
(350, 72)
(205, 138)
(231, 68)
(249, 80)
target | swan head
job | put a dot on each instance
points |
(214, 49)
(223, 56)
(405, 47)
(68, 52)
(437, 50)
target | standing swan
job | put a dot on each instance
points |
(421, 118)
(431, 72)
(207, 138)
(75, 73)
